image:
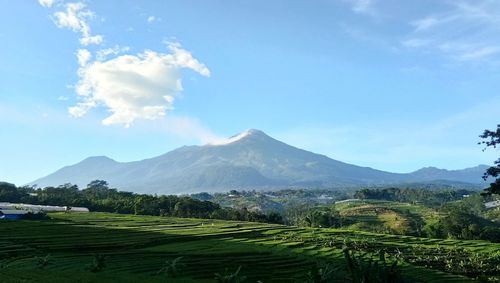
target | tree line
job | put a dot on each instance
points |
(98, 196)
(431, 198)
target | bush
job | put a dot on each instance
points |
(491, 234)
(41, 215)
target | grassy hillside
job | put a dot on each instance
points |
(135, 248)
(386, 216)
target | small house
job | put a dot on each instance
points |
(12, 214)
(17, 210)
(492, 204)
(77, 209)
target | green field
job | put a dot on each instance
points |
(386, 216)
(135, 248)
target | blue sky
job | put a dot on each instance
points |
(394, 85)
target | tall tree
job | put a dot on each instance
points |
(492, 139)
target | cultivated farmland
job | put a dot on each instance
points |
(104, 247)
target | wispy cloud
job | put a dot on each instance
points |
(188, 128)
(478, 53)
(46, 3)
(76, 17)
(366, 7)
(468, 31)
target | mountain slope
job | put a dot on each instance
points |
(250, 160)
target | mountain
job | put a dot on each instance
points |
(468, 175)
(250, 160)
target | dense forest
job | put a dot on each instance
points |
(433, 198)
(97, 196)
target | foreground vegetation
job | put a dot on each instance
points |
(105, 247)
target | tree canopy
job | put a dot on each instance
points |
(492, 139)
(98, 196)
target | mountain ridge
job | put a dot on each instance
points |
(248, 160)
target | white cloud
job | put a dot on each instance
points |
(46, 3)
(467, 31)
(75, 18)
(72, 18)
(132, 87)
(83, 56)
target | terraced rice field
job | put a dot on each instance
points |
(386, 216)
(135, 248)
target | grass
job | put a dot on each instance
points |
(386, 217)
(135, 248)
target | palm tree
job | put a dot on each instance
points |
(171, 268)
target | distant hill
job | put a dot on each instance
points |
(468, 175)
(250, 160)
